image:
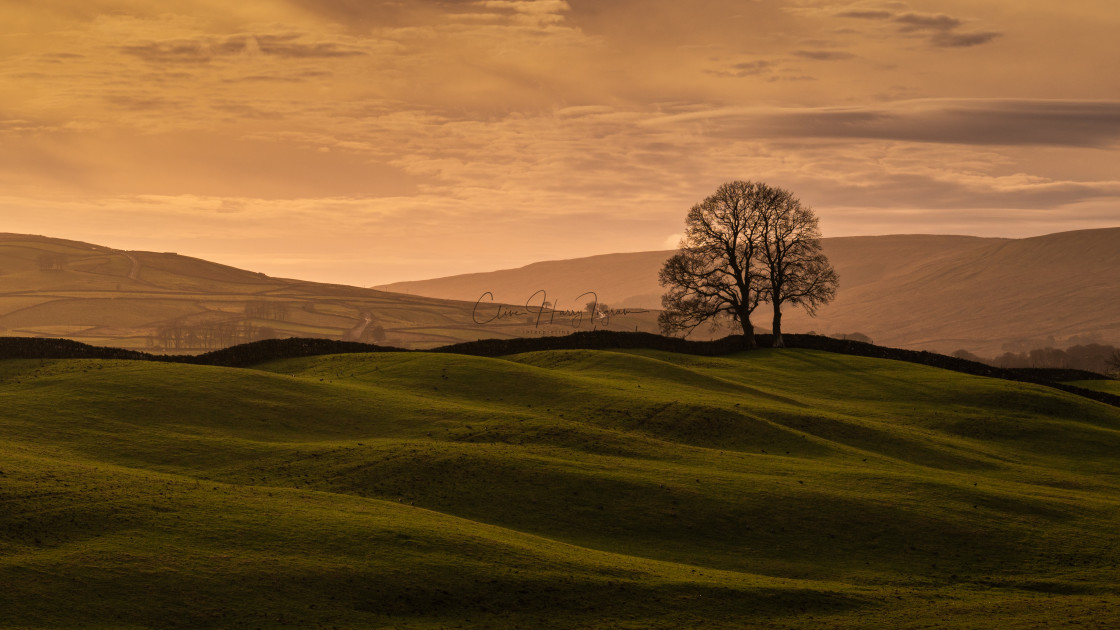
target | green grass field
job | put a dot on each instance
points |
(1110, 386)
(600, 489)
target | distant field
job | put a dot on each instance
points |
(1107, 386)
(163, 302)
(602, 489)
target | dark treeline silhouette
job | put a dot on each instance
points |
(597, 340)
(208, 335)
(52, 262)
(1092, 357)
(40, 348)
(274, 349)
(263, 309)
(221, 333)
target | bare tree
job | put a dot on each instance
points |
(52, 262)
(595, 307)
(716, 272)
(797, 272)
(1114, 362)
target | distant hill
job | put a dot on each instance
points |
(168, 302)
(617, 279)
(933, 292)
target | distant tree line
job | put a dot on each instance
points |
(263, 309)
(207, 335)
(1093, 357)
(223, 333)
(375, 333)
(52, 262)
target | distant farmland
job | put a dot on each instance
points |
(166, 302)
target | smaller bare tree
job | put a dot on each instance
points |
(1114, 362)
(797, 272)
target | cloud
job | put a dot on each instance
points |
(824, 55)
(962, 40)
(746, 69)
(530, 7)
(950, 190)
(204, 50)
(142, 102)
(910, 22)
(939, 29)
(1007, 122)
(286, 46)
(188, 52)
(866, 15)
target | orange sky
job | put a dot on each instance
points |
(365, 142)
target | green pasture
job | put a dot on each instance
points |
(597, 489)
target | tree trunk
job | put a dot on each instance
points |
(748, 332)
(778, 341)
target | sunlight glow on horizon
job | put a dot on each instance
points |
(367, 143)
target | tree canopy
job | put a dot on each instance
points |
(746, 244)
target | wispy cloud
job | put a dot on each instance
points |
(910, 22)
(1010, 122)
(939, 29)
(963, 40)
(824, 55)
(746, 69)
(204, 50)
(866, 14)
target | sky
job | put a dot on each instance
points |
(365, 142)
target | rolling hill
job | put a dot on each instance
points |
(555, 489)
(939, 293)
(165, 302)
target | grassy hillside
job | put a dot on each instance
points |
(167, 302)
(573, 488)
(1100, 385)
(932, 292)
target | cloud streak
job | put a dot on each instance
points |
(1004, 122)
(939, 29)
(207, 49)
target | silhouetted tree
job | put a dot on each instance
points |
(595, 307)
(968, 356)
(716, 272)
(263, 309)
(797, 272)
(374, 333)
(1113, 362)
(52, 262)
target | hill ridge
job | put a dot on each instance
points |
(244, 355)
(934, 292)
(172, 303)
